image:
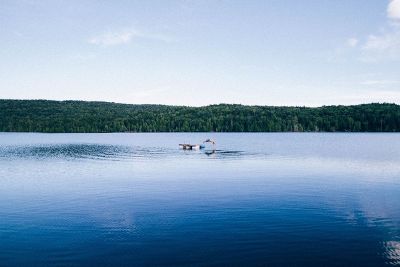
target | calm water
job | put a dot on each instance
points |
(260, 199)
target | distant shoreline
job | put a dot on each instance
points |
(49, 116)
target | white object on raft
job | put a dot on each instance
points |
(210, 141)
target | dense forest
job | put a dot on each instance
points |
(80, 116)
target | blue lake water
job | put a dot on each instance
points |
(266, 199)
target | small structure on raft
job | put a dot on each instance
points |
(197, 146)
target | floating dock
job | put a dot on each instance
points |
(197, 146)
(191, 147)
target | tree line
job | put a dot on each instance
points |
(80, 116)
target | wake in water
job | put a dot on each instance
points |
(106, 152)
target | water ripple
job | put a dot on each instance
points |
(79, 151)
(107, 152)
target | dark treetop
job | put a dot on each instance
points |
(80, 116)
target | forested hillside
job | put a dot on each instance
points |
(80, 116)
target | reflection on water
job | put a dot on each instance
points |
(258, 199)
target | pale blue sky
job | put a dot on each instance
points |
(271, 52)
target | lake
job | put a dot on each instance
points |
(259, 199)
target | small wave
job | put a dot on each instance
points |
(80, 151)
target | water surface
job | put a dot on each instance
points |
(281, 199)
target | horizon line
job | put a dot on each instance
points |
(215, 104)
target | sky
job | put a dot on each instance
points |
(187, 52)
